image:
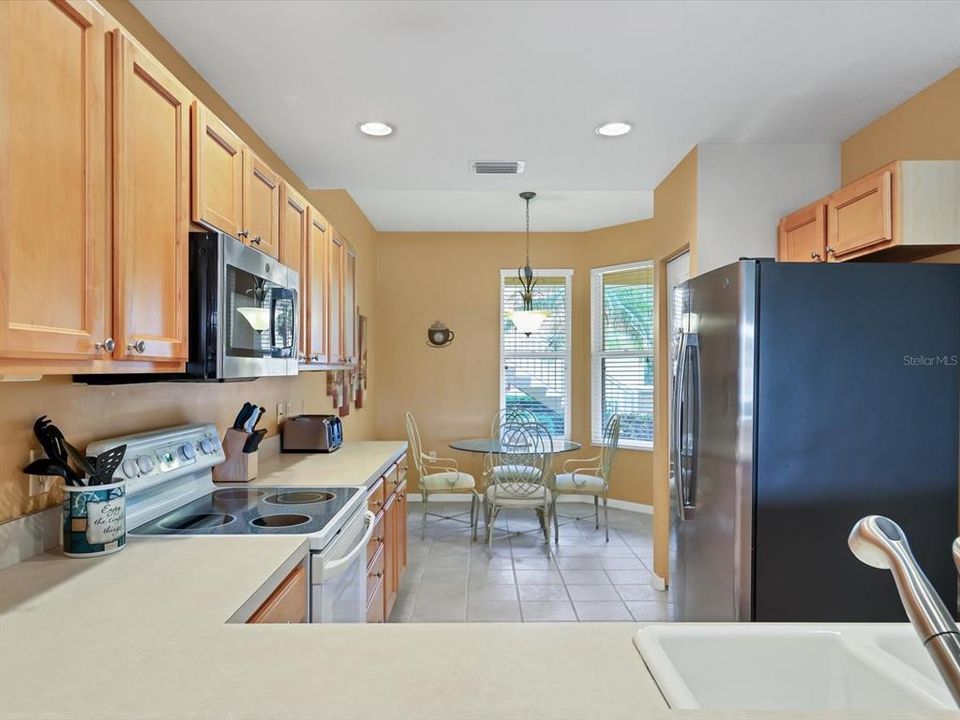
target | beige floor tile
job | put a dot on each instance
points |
(543, 593)
(602, 611)
(547, 612)
(585, 577)
(537, 577)
(494, 612)
(593, 592)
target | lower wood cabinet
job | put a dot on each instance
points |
(387, 550)
(288, 603)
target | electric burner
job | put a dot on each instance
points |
(238, 494)
(201, 521)
(299, 497)
(282, 520)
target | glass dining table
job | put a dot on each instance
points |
(489, 445)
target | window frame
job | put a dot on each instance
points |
(567, 275)
(598, 354)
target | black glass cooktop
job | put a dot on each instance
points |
(253, 511)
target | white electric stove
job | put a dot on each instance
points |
(171, 493)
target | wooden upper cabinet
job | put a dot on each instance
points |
(217, 173)
(294, 246)
(54, 293)
(803, 235)
(151, 206)
(316, 296)
(350, 304)
(860, 215)
(335, 262)
(261, 204)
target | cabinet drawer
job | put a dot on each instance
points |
(392, 479)
(860, 215)
(376, 497)
(375, 604)
(288, 603)
(375, 573)
(376, 540)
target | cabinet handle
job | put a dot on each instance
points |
(109, 345)
(137, 346)
(380, 539)
(378, 574)
(377, 503)
(831, 251)
(255, 240)
(243, 233)
(816, 256)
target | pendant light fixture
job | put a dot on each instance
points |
(527, 320)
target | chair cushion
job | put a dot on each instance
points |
(579, 482)
(449, 480)
(514, 472)
(503, 496)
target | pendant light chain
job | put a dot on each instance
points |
(528, 231)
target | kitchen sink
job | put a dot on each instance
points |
(797, 667)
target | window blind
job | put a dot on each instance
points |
(535, 370)
(622, 351)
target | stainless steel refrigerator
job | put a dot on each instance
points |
(805, 397)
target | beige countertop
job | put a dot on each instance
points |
(144, 634)
(355, 463)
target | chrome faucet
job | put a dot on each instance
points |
(879, 542)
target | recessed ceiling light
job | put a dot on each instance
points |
(613, 129)
(376, 129)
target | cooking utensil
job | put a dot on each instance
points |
(58, 449)
(243, 415)
(254, 440)
(106, 465)
(254, 418)
(52, 468)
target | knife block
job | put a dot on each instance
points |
(239, 466)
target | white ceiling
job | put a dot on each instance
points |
(529, 80)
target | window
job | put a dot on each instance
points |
(535, 370)
(622, 351)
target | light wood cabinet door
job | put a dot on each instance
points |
(316, 300)
(261, 204)
(336, 250)
(288, 603)
(390, 555)
(54, 283)
(375, 604)
(217, 172)
(294, 230)
(860, 216)
(803, 235)
(401, 532)
(151, 207)
(350, 303)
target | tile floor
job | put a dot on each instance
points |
(451, 579)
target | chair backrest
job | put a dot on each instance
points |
(416, 447)
(523, 459)
(501, 417)
(611, 439)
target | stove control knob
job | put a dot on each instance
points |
(129, 468)
(187, 451)
(206, 446)
(144, 463)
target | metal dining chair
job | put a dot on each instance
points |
(523, 471)
(500, 418)
(440, 476)
(593, 478)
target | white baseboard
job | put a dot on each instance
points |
(658, 582)
(586, 500)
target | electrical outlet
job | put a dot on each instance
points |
(281, 413)
(39, 484)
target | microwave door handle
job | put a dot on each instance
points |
(338, 566)
(678, 390)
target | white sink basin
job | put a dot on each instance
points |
(792, 667)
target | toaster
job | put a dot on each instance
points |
(311, 433)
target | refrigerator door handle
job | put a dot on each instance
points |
(678, 388)
(690, 492)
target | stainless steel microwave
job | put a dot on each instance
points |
(243, 311)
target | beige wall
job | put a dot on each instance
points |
(454, 277)
(925, 127)
(87, 413)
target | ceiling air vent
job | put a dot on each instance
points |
(497, 167)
